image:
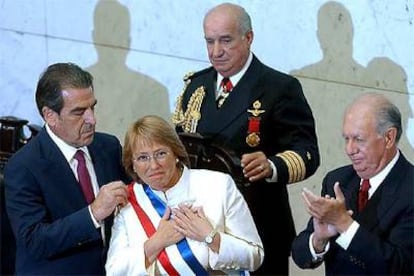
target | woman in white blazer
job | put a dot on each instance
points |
(179, 221)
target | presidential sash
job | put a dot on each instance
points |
(182, 246)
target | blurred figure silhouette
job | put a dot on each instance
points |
(123, 94)
(335, 35)
(384, 74)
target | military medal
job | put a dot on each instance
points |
(253, 138)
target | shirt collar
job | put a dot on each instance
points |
(67, 150)
(376, 180)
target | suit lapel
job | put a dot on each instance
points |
(209, 107)
(99, 164)
(351, 193)
(384, 197)
(57, 167)
(392, 185)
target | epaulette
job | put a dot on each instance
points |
(193, 74)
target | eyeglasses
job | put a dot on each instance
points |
(159, 156)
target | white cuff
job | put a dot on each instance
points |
(317, 256)
(346, 237)
(95, 222)
(274, 172)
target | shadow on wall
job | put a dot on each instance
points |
(336, 79)
(335, 35)
(123, 94)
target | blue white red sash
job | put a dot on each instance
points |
(182, 246)
(149, 230)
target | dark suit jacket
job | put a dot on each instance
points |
(286, 124)
(384, 242)
(48, 213)
(7, 242)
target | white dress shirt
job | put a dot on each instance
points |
(69, 152)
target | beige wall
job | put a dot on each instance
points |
(123, 94)
(138, 54)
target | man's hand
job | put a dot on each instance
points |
(328, 211)
(109, 197)
(256, 166)
(323, 230)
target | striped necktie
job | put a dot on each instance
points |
(226, 86)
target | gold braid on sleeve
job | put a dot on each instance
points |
(188, 120)
(295, 164)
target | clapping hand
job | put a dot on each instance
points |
(329, 214)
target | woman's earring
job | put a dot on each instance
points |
(177, 160)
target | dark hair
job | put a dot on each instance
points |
(56, 78)
(152, 129)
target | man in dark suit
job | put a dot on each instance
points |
(357, 234)
(262, 116)
(57, 231)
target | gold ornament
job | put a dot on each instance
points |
(253, 139)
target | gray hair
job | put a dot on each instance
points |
(245, 22)
(243, 18)
(387, 114)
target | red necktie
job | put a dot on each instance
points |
(84, 177)
(363, 194)
(227, 86)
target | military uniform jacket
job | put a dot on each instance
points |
(286, 135)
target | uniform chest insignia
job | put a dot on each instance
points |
(253, 131)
